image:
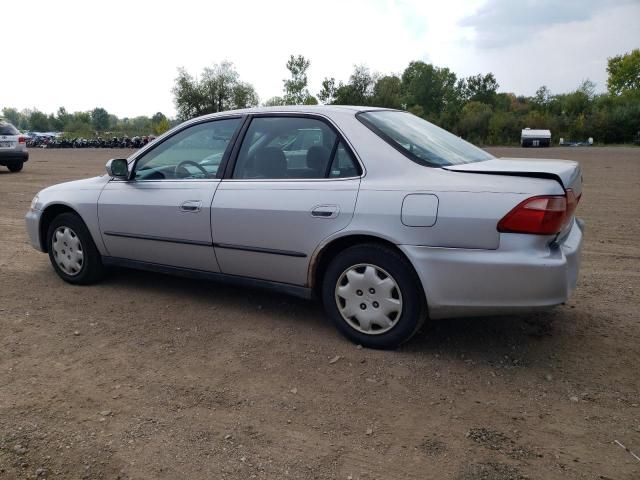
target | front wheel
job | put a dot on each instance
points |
(72, 252)
(373, 296)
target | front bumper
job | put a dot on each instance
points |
(32, 219)
(523, 274)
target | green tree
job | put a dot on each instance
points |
(100, 119)
(432, 88)
(481, 88)
(474, 123)
(274, 102)
(218, 89)
(38, 121)
(295, 88)
(63, 118)
(159, 123)
(542, 98)
(328, 92)
(158, 117)
(624, 73)
(11, 115)
(54, 123)
(387, 92)
(161, 126)
(79, 124)
(588, 88)
(188, 96)
(244, 95)
(359, 89)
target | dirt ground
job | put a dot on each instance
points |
(150, 376)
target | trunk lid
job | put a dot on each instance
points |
(566, 172)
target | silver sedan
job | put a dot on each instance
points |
(385, 217)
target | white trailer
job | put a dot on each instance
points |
(535, 138)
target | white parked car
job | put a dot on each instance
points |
(13, 147)
(387, 218)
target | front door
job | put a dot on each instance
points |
(294, 183)
(161, 215)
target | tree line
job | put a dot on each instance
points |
(87, 124)
(470, 106)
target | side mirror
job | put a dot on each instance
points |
(118, 168)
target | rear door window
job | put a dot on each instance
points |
(292, 148)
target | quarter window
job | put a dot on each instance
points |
(292, 148)
(343, 164)
(194, 153)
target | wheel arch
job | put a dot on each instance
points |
(48, 214)
(323, 255)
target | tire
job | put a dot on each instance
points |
(15, 166)
(382, 318)
(83, 264)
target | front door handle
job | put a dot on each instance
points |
(325, 211)
(191, 206)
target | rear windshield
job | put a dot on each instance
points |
(420, 140)
(8, 129)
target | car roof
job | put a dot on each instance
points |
(317, 109)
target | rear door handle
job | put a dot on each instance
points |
(325, 211)
(191, 206)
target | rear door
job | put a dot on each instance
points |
(161, 215)
(294, 182)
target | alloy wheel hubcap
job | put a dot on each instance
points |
(368, 299)
(67, 250)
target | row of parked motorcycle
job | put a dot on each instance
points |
(98, 142)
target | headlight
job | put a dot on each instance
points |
(34, 202)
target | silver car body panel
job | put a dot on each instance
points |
(568, 171)
(471, 282)
(165, 222)
(277, 217)
(443, 219)
(78, 195)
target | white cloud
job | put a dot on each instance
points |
(123, 55)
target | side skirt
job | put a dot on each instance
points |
(294, 290)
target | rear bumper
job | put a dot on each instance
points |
(524, 274)
(13, 156)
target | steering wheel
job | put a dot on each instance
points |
(188, 162)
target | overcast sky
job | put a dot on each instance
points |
(123, 55)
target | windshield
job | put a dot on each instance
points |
(421, 141)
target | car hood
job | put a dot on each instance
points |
(94, 183)
(567, 172)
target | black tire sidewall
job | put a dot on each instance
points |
(92, 266)
(15, 167)
(414, 306)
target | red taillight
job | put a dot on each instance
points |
(572, 203)
(22, 139)
(544, 215)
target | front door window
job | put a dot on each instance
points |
(194, 153)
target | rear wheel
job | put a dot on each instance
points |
(15, 166)
(373, 296)
(72, 252)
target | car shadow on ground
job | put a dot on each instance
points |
(487, 338)
(516, 339)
